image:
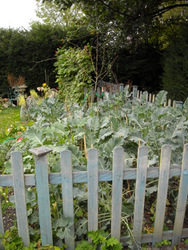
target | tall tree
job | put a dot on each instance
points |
(125, 21)
(175, 77)
(50, 13)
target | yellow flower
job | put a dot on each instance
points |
(21, 100)
(34, 94)
(44, 84)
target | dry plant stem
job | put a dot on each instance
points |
(126, 120)
(111, 126)
(85, 148)
(97, 113)
(128, 188)
(65, 105)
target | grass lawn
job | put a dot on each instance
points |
(9, 123)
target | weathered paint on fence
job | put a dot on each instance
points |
(92, 176)
(182, 199)
(20, 199)
(142, 166)
(67, 193)
(162, 193)
(117, 184)
(66, 178)
(80, 177)
(41, 170)
(1, 223)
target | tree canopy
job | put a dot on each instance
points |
(129, 40)
(125, 21)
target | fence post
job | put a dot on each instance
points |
(41, 171)
(111, 92)
(135, 88)
(92, 168)
(174, 104)
(117, 184)
(162, 193)
(92, 95)
(121, 85)
(67, 193)
(140, 194)
(85, 95)
(150, 96)
(153, 98)
(98, 94)
(146, 96)
(179, 104)
(20, 199)
(1, 219)
(182, 199)
(1, 225)
(169, 102)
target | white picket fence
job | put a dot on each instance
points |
(41, 179)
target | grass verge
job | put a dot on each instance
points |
(9, 123)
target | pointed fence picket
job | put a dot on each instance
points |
(41, 179)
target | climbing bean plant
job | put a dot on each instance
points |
(74, 68)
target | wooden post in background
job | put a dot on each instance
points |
(98, 94)
(121, 86)
(179, 104)
(92, 95)
(135, 88)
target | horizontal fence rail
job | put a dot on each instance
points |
(41, 179)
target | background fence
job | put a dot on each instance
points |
(93, 176)
(93, 95)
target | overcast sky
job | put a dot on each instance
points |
(17, 13)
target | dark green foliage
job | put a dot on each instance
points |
(29, 54)
(142, 66)
(175, 77)
(133, 31)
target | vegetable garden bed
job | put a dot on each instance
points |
(117, 121)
